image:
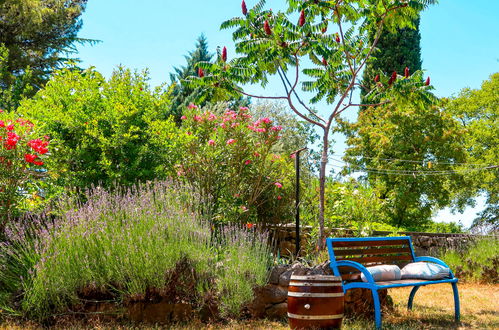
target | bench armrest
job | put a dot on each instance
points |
(435, 260)
(357, 266)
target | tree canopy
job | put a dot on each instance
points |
(36, 37)
(478, 112)
(410, 152)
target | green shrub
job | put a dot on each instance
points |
(105, 132)
(125, 244)
(477, 263)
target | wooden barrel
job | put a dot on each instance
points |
(315, 302)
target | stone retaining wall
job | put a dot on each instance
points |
(424, 243)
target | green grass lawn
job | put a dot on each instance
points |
(433, 309)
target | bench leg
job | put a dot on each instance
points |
(457, 313)
(377, 308)
(411, 297)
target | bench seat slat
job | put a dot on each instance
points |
(382, 259)
(371, 251)
(371, 243)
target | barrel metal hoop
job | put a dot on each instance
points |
(314, 284)
(313, 294)
(316, 277)
(315, 317)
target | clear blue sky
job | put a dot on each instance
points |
(460, 40)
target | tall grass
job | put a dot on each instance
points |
(478, 263)
(130, 241)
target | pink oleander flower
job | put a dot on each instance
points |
(198, 118)
(279, 197)
(231, 141)
(243, 108)
(192, 106)
(183, 117)
(266, 120)
(278, 184)
(256, 154)
(211, 143)
(247, 162)
(292, 156)
(276, 128)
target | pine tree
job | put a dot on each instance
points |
(36, 37)
(182, 95)
(397, 50)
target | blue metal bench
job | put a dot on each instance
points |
(350, 257)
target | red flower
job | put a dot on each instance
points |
(247, 162)
(38, 162)
(301, 21)
(427, 83)
(376, 79)
(2, 123)
(279, 197)
(250, 225)
(338, 38)
(243, 8)
(30, 158)
(224, 54)
(200, 73)
(266, 28)
(39, 146)
(406, 72)
(324, 29)
(324, 62)
(393, 78)
(231, 141)
(278, 184)
(10, 127)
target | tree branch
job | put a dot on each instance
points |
(283, 76)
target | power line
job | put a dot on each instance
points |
(418, 161)
(408, 172)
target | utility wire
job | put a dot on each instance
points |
(416, 161)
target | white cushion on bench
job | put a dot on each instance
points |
(425, 271)
(383, 273)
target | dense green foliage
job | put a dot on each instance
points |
(396, 51)
(121, 245)
(410, 150)
(35, 38)
(478, 262)
(478, 112)
(105, 132)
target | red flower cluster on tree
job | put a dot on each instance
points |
(243, 8)
(301, 21)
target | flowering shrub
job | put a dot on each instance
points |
(230, 159)
(21, 158)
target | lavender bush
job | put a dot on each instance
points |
(128, 242)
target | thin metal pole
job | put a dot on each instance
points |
(297, 200)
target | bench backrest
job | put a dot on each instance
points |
(368, 251)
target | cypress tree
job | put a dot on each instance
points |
(396, 51)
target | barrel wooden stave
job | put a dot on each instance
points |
(324, 297)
